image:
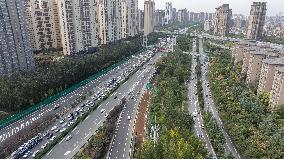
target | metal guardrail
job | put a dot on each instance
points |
(22, 114)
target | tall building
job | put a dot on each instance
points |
(149, 16)
(207, 25)
(256, 20)
(174, 15)
(277, 92)
(129, 17)
(15, 49)
(267, 74)
(222, 20)
(183, 16)
(43, 24)
(78, 26)
(140, 20)
(169, 13)
(159, 18)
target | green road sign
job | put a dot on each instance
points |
(148, 86)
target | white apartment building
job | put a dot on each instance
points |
(268, 70)
(168, 13)
(277, 92)
(149, 16)
(44, 29)
(78, 25)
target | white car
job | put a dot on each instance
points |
(53, 128)
(103, 110)
(27, 154)
(34, 154)
(128, 117)
(53, 137)
(68, 138)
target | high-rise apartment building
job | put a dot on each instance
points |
(15, 49)
(43, 24)
(222, 20)
(256, 20)
(183, 16)
(78, 25)
(149, 16)
(169, 13)
(140, 20)
(277, 92)
(207, 25)
(159, 18)
(267, 74)
(128, 17)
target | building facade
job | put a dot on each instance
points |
(169, 13)
(159, 18)
(43, 24)
(268, 71)
(256, 20)
(222, 20)
(277, 92)
(183, 16)
(15, 49)
(149, 16)
(78, 26)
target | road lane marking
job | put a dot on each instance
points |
(66, 153)
(75, 148)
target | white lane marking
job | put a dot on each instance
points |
(66, 153)
(107, 103)
(99, 122)
(75, 148)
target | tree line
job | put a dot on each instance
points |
(257, 132)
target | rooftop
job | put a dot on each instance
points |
(280, 69)
(274, 61)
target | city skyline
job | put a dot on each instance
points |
(238, 7)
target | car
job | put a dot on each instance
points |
(44, 134)
(49, 135)
(103, 110)
(64, 124)
(194, 114)
(68, 138)
(27, 154)
(128, 117)
(44, 145)
(105, 115)
(61, 121)
(115, 97)
(132, 97)
(62, 130)
(202, 126)
(34, 154)
(56, 130)
(53, 137)
(53, 128)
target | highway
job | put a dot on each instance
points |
(122, 141)
(96, 86)
(64, 102)
(81, 134)
(194, 108)
(209, 103)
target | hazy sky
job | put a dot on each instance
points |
(238, 6)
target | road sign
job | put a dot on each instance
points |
(148, 86)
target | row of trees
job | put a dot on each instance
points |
(256, 132)
(22, 90)
(168, 112)
(98, 145)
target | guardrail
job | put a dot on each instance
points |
(22, 114)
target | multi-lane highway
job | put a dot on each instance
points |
(194, 108)
(7, 132)
(123, 139)
(209, 103)
(81, 134)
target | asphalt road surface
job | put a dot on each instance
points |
(81, 134)
(194, 108)
(209, 103)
